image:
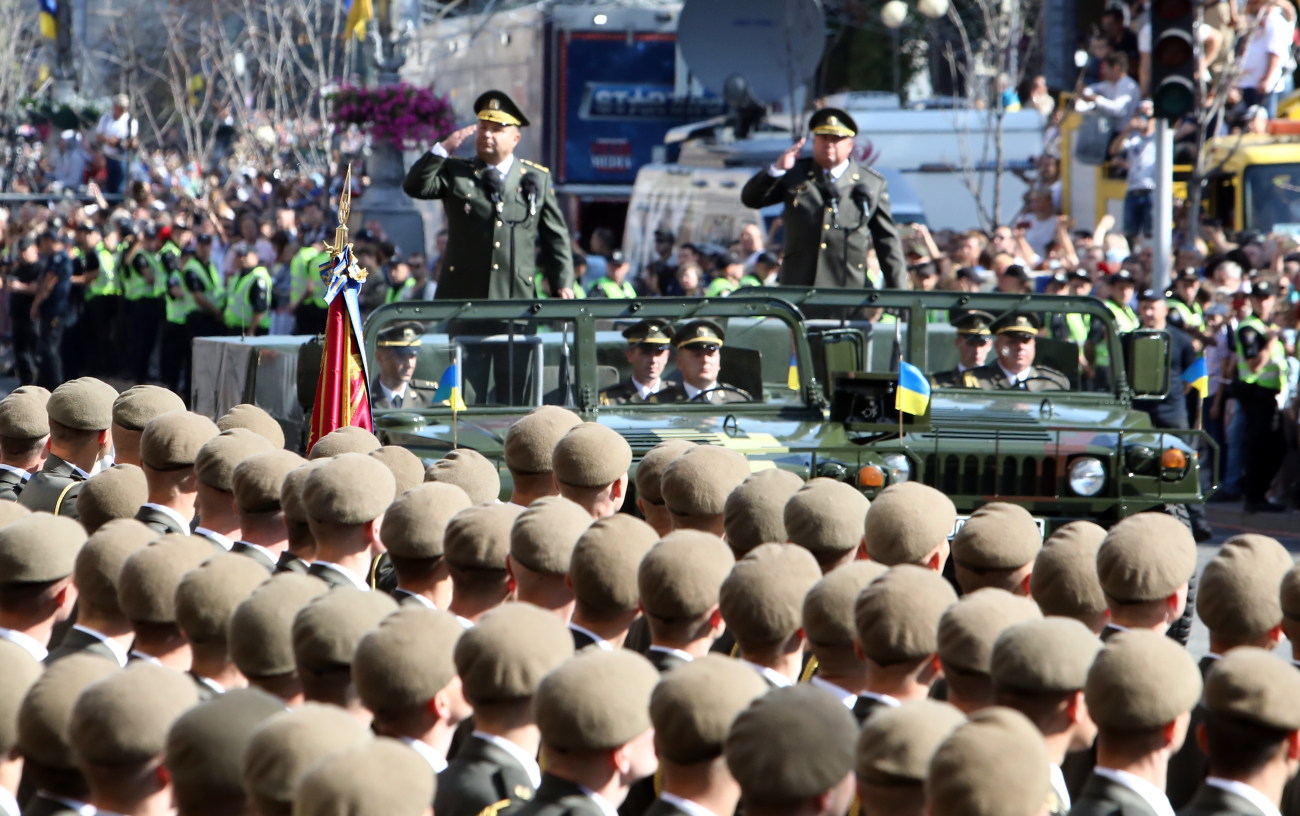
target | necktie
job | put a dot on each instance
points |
(397, 400)
(1022, 385)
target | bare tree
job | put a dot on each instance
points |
(19, 52)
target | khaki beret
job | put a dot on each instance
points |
(350, 488)
(12, 511)
(21, 670)
(969, 628)
(172, 441)
(327, 630)
(404, 661)
(996, 764)
(762, 599)
(1047, 656)
(1145, 557)
(123, 720)
(113, 493)
(698, 481)
(408, 470)
(146, 589)
(23, 413)
(828, 606)
(605, 562)
(83, 404)
(478, 537)
(896, 744)
(1064, 581)
(906, 522)
(595, 701)
(137, 405)
(1240, 590)
(260, 630)
(1290, 594)
(47, 708)
(217, 459)
(377, 776)
(695, 704)
(531, 441)
(209, 593)
(754, 512)
(997, 536)
(291, 492)
(543, 536)
(590, 455)
(259, 480)
(1254, 685)
(897, 616)
(348, 439)
(650, 470)
(508, 652)
(681, 577)
(826, 517)
(416, 522)
(469, 470)
(790, 744)
(1141, 680)
(254, 419)
(99, 563)
(205, 746)
(287, 745)
(38, 548)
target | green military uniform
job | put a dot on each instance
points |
(11, 484)
(991, 377)
(821, 248)
(651, 332)
(491, 246)
(970, 323)
(159, 521)
(54, 488)
(708, 334)
(403, 339)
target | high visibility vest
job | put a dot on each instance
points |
(539, 291)
(718, 287)
(169, 250)
(396, 293)
(1126, 320)
(105, 282)
(614, 290)
(304, 277)
(1193, 316)
(180, 308)
(134, 286)
(1079, 325)
(239, 305)
(1270, 376)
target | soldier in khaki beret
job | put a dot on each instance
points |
(345, 499)
(37, 556)
(215, 465)
(348, 439)
(101, 628)
(603, 576)
(21, 671)
(893, 755)
(255, 419)
(260, 632)
(649, 476)
(408, 470)
(147, 593)
(257, 484)
(1039, 668)
(113, 493)
(762, 604)
(476, 545)
(755, 510)
(541, 543)
(133, 409)
(967, 632)
(469, 470)
(695, 486)
(169, 447)
(528, 448)
(325, 636)
(995, 764)
(827, 517)
(302, 544)
(680, 580)
(897, 619)
(286, 746)
(1064, 579)
(593, 714)
(996, 547)
(590, 463)
(1140, 691)
(828, 624)
(412, 532)
(382, 774)
(501, 662)
(792, 751)
(80, 413)
(909, 523)
(118, 732)
(24, 430)
(1290, 602)
(1144, 565)
(205, 599)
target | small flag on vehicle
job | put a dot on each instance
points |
(449, 389)
(913, 394)
(1197, 376)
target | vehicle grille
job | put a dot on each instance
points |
(992, 475)
(644, 440)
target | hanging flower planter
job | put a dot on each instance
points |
(400, 115)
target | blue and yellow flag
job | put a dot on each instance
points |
(1197, 376)
(792, 376)
(49, 18)
(913, 394)
(359, 12)
(449, 389)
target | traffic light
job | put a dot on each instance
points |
(1173, 88)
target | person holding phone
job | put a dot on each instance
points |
(1136, 149)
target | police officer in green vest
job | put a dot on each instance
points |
(1185, 311)
(248, 302)
(732, 276)
(1118, 301)
(614, 284)
(144, 285)
(205, 290)
(306, 289)
(400, 282)
(1261, 374)
(103, 297)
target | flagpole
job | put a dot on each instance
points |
(457, 396)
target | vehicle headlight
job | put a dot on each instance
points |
(1087, 476)
(900, 467)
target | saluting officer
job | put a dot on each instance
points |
(973, 341)
(647, 353)
(835, 209)
(499, 207)
(1013, 368)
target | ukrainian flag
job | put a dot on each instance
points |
(1197, 376)
(792, 376)
(913, 394)
(49, 18)
(359, 13)
(449, 389)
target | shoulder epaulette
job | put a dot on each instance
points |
(536, 166)
(494, 808)
(873, 171)
(424, 384)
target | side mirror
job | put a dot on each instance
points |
(1146, 357)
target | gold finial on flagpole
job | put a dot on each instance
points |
(345, 210)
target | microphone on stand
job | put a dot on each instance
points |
(530, 186)
(496, 186)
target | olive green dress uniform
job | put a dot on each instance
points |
(480, 261)
(559, 797)
(1210, 801)
(483, 779)
(157, 520)
(969, 323)
(54, 488)
(652, 332)
(404, 339)
(291, 563)
(817, 252)
(11, 484)
(257, 554)
(706, 333)
(990, 377)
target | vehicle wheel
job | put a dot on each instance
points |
(1181, 629)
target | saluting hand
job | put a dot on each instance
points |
(455, 140)
(787, 159)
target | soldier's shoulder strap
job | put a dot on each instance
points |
(494, 808)
(428, 385)
(871, 171)
(969, 380)
(535, 165)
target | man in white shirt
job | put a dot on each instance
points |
(1267, 55)
(116, 135)
(1137, 147)
(1117, 95)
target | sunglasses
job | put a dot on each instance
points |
(652, 348)
(703, 348)
(977, 339)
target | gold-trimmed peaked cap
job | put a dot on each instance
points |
(652, 331)
(698, 332)
(832, 122)
(1018, 322)
(495, 106)
(403, 338)
(971, 321)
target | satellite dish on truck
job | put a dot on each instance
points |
(760, 48)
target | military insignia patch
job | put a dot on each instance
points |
(522, 792)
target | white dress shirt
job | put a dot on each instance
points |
(345, 572)
(687, 656)
(686, 805)
(600, 642)
(1153, 796)
(843, 695)
(113, 645)
(1246, 792)
(29, 643)
(1057, 778)
(171, 514)
(435, 760)
(19, 472)
(771, 675)
(529, 764)
(213, 535)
